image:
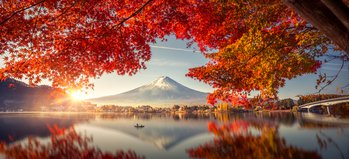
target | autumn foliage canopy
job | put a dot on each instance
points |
(251, 44)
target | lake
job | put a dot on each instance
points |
(241, 135)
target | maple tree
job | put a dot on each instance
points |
(260, 43)
(276, 45)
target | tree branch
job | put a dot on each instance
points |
(320, 16)
(35, 27)
(133, 14)
(65, 11)
(21, 10)
(339, 9)
(329, 139)
(333, 79)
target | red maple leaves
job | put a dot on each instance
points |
(68, 42)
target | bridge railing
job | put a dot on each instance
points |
(324, 101)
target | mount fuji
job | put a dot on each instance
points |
(162, 92)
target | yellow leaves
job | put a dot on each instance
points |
(259, 45)
(264, 56)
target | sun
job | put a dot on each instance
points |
(77, 95)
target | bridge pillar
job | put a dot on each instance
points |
(328, 110)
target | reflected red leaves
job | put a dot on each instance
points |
(11, 85)
(236, 127)
(212, 127)
(233, 140)
(55, 130)
(65, 143)
(11, 138)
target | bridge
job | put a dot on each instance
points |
(327, 103)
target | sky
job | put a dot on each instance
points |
(173, 59)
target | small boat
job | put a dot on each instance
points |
(139, 126)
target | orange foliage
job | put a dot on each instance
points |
(260, 43)
(271, 44)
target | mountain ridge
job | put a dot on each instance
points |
(15, 94)
(162, 92)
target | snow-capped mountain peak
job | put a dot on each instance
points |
(164, 82)
(164, 91)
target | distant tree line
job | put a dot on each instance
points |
(286, 103)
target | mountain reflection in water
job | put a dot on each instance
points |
(245, 135)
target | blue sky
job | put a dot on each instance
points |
(173, 59)
(170, 58)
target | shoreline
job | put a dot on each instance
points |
(276, 111)
(72, 112)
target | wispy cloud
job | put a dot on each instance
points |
(334, 64)
(163, 62)
(334, 69)
(172, 48)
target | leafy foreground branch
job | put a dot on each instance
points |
(256, 47)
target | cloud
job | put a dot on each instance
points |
(345, 69)
(163, 62)
(172, 48)
(334, 67)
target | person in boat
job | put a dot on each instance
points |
(137, 125)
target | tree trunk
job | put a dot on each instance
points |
(339, 9)
(324, 19)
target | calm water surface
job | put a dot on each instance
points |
(188, 136)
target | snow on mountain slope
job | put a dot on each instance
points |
(162, 92)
